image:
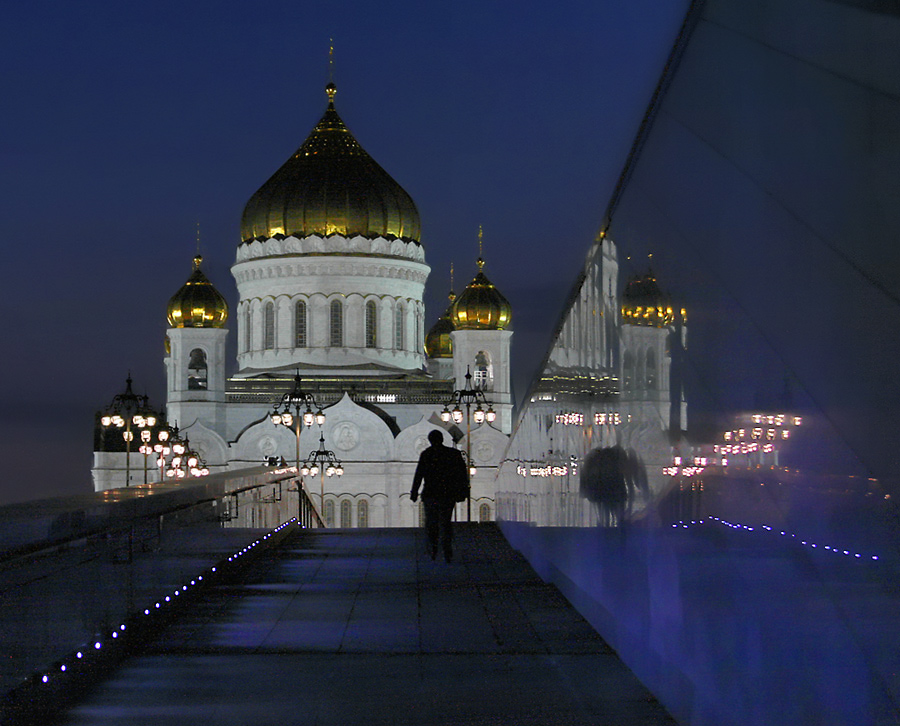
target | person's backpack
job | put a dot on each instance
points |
(459, 483)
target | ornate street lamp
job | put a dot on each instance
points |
(128, 409)
(322, 462)
(163, 447)
(185, 461)
(484, 411)
(287, 412)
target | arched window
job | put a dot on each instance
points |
(418, 345)
(628, 370)
(345, 514)
(247, 329)
(371, 325)
(269, 326)
(362, 514)
(300, 324)
(650, 372)
(329, 513)
(484, 513)
(399, 320)
(337, 324)
(483, 375)
(197, 371)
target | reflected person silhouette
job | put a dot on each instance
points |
(604, 482)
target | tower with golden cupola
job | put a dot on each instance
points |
(652, 331)
(195, 351)
(481, 337)
(438, 341)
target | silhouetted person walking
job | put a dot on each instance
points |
(446, 482)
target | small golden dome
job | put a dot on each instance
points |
(197, 304)
(330, 186)
(644, 303)
(481, 306)
(437, 342)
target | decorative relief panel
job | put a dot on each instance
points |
(346, 436)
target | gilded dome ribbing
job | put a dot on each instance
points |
(644, 303)
(481, 306)
(330, 186)
(197, 304)
(437, 342)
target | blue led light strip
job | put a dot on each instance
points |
(67, 665)
(682, 524)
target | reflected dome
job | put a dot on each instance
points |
(644, 303)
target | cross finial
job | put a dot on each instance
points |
(330, 88)
(480, 248)
(331, 60)
(198, 258)
(452, 294)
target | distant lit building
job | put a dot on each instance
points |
(757, 439)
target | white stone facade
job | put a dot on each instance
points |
(330, 302)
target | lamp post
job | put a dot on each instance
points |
(163, 447)
(127, 409)
(321, 462)
(185, 461)
(297, 399)
(468, 396)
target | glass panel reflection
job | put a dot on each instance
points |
(755, 579)
(595, 435)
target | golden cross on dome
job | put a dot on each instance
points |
(331, 60)
(480, 248)
(330, 88)
(198, 258)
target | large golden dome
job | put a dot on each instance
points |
(197, 304)
(438, 343)
(481, 306)
(330, 186)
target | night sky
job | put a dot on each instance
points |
(127, 124)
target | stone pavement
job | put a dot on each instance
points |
(344, 627)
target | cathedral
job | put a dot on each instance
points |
(334, 364)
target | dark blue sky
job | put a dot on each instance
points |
(125, 125)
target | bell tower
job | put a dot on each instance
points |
(195, 353)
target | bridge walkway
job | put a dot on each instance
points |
(352, 627)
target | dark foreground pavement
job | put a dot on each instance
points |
(348, 627)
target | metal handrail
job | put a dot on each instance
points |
(34, 527)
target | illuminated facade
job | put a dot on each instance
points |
(330, 275)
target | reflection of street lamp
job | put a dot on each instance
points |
(468, 396)
(296, 399)
(321, 462)
(125, 410)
